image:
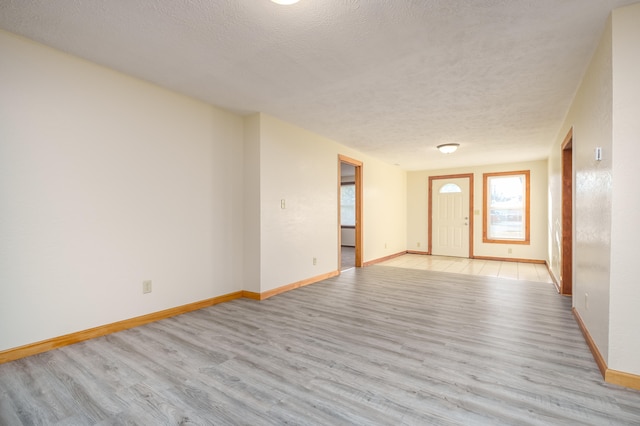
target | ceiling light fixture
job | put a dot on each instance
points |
(285, 2)
(448, 148)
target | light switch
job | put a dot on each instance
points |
(283, 204)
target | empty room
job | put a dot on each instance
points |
(319, 212)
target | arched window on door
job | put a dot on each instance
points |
(450, 188)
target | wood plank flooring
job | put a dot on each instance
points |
(379, 345)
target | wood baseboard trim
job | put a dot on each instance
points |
(270, 293)
(80, 336)
(621, 378)
(417, 252)
(509, 259)
(250, 295)
(555, 281)
(382, 259)
(614, 377)
(69, 339)
(597, 356)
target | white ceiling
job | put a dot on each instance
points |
(391, 78)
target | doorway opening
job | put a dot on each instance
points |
(450, 215)
(349, 213)
(566, 256)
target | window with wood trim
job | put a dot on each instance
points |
(506, 207)
(348, 205)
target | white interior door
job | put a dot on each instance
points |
(450, 217)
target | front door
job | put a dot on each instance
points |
(450, 217)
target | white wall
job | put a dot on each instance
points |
(605, 114)
(308, 226)
(624, 325)
(417, 200)
(106, 181)
(348, 237)
(385, 209)
(251, 218)
(591, 118)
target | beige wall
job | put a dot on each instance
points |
(106, 181)
(624, 325)
(308, 227)
(590, 117)
(417, 199)
(251, 209)
(604, 114)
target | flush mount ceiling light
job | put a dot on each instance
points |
(285, 2)
(448, 148)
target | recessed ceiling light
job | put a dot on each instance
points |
(285, 2)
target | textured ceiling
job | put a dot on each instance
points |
(391, 78)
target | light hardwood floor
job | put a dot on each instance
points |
(379, 345)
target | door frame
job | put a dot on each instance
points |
(430, 209)
(357, 164)
(566, 255)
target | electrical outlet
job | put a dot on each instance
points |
(146, 286)
(385, 245)
(315, 261)
(510, 251)
(418, 244)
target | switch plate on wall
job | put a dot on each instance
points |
(146, 286)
